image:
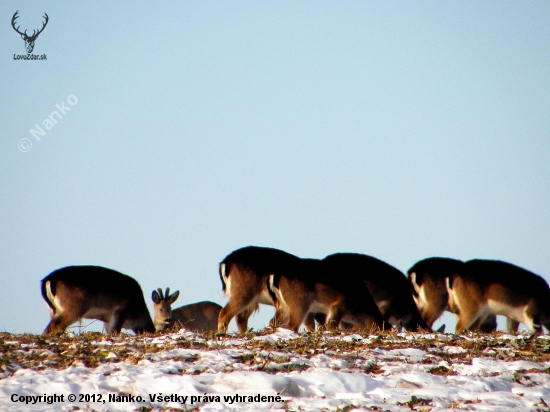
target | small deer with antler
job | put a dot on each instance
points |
(29, 40)
(201, 316)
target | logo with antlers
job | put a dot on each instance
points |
(29, 40)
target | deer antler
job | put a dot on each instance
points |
(43, 27)
(15, 16)
(159, 290)
(34, 33)
(167, 293)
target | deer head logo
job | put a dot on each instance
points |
(29, 40)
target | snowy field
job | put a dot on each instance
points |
(274, 371)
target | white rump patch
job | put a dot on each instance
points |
(227, 292)
(420, 300)
(280, 304)
(56, 302)
(276, 291)
(226, 280)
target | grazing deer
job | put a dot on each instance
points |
(429, 278)
(493, 287)
(388, 287)
(95, 292)
(201, 316)
(318, 287)
(244, 275)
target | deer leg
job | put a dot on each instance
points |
(242, 319)
(369, 322)
(534, 317)
(114, 326)
(468, 303)
(238, 309)
(60, 322)
(321, 318)
(487, 324)
(536, 325)
(315, 320)
(224, 317)
(410, 319)
(294, 298)
(281, 317)
(366, 312)
(512, 325)
(375, 323)
(545, 320)
(297, 316)
(227, 313)
(466, 318)
(309, 322)
(335, 316)
(238, 303)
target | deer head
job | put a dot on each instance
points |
(29, 40)
(163, 307)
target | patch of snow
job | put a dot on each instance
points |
(240, 374)
(280, 334)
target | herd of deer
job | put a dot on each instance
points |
(343, 290)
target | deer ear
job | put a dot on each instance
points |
(174, 296)
(155, 296)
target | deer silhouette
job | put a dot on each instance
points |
(29, 40)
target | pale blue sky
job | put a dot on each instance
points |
(401, 130)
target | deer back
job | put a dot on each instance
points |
(520, 282)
